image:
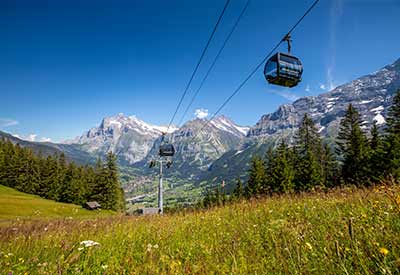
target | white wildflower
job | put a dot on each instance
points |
(104, 266)
(89, 243)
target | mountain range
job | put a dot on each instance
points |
(222, 149)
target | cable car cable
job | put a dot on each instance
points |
(215, 61)
(198, 64)
(257, 67)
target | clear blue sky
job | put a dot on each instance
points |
(64, 65)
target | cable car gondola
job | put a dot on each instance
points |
(284, 69)
(167, 150)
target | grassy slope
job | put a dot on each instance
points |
(342, 232)
(15, 204)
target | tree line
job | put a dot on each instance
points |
(55, 178)
(308, 163)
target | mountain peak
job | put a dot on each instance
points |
(130, 137)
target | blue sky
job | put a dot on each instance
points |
(64, 65)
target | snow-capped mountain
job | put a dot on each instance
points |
(197, 147)
(370, 94)
(127, 136)
(133, 140)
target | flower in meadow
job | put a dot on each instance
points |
(104, 266)
(383, 251)
(149, 246)
(309, 246)
(89, 243)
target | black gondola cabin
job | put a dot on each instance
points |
(167, 150)
(284, 70)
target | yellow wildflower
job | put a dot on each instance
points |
(309, 246)
(384, 251)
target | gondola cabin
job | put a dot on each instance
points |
(167, 150)
(284, 70)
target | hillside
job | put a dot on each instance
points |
(371, 95)
(73, 152)
(15, 204)
(341, 232)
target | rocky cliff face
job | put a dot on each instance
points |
(127, 136)
(370, 94)
(197, 148)
(134, 140)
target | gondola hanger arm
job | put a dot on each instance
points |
(288, 39)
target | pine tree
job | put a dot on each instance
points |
(207, 201)
(376, 161)
(54, 178)
(282, 170)
(353, 148)
(238, 192)
(109, 188)
(308, 149)
(217, 197)
(330, 167)
(66, 191)
(269, 166)
(392, 157)
(257, 177)
(393, 117)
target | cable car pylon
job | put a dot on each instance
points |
(165, 150)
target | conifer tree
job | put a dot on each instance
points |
(352, 148)
(238, 192)
(282, 170)
(269, 166)
(330, 167)
(392, 157)
(53, 178)
(376, 161)
(308, 152)
(207, 201)
(109, 190)
(66, 191)
(257, 178)
(217, 197)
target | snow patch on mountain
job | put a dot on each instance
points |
(225, 124)
(379, 119)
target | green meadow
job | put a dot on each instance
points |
(343, 231)
(17, 205)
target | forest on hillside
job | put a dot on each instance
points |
(54, 178)
(309, 163)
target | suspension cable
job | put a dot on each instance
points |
(198, 64)
(215, 61)
(256, 68)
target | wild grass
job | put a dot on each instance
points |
(348, 231)
(18, 205)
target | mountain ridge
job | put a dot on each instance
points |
(370, 94)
